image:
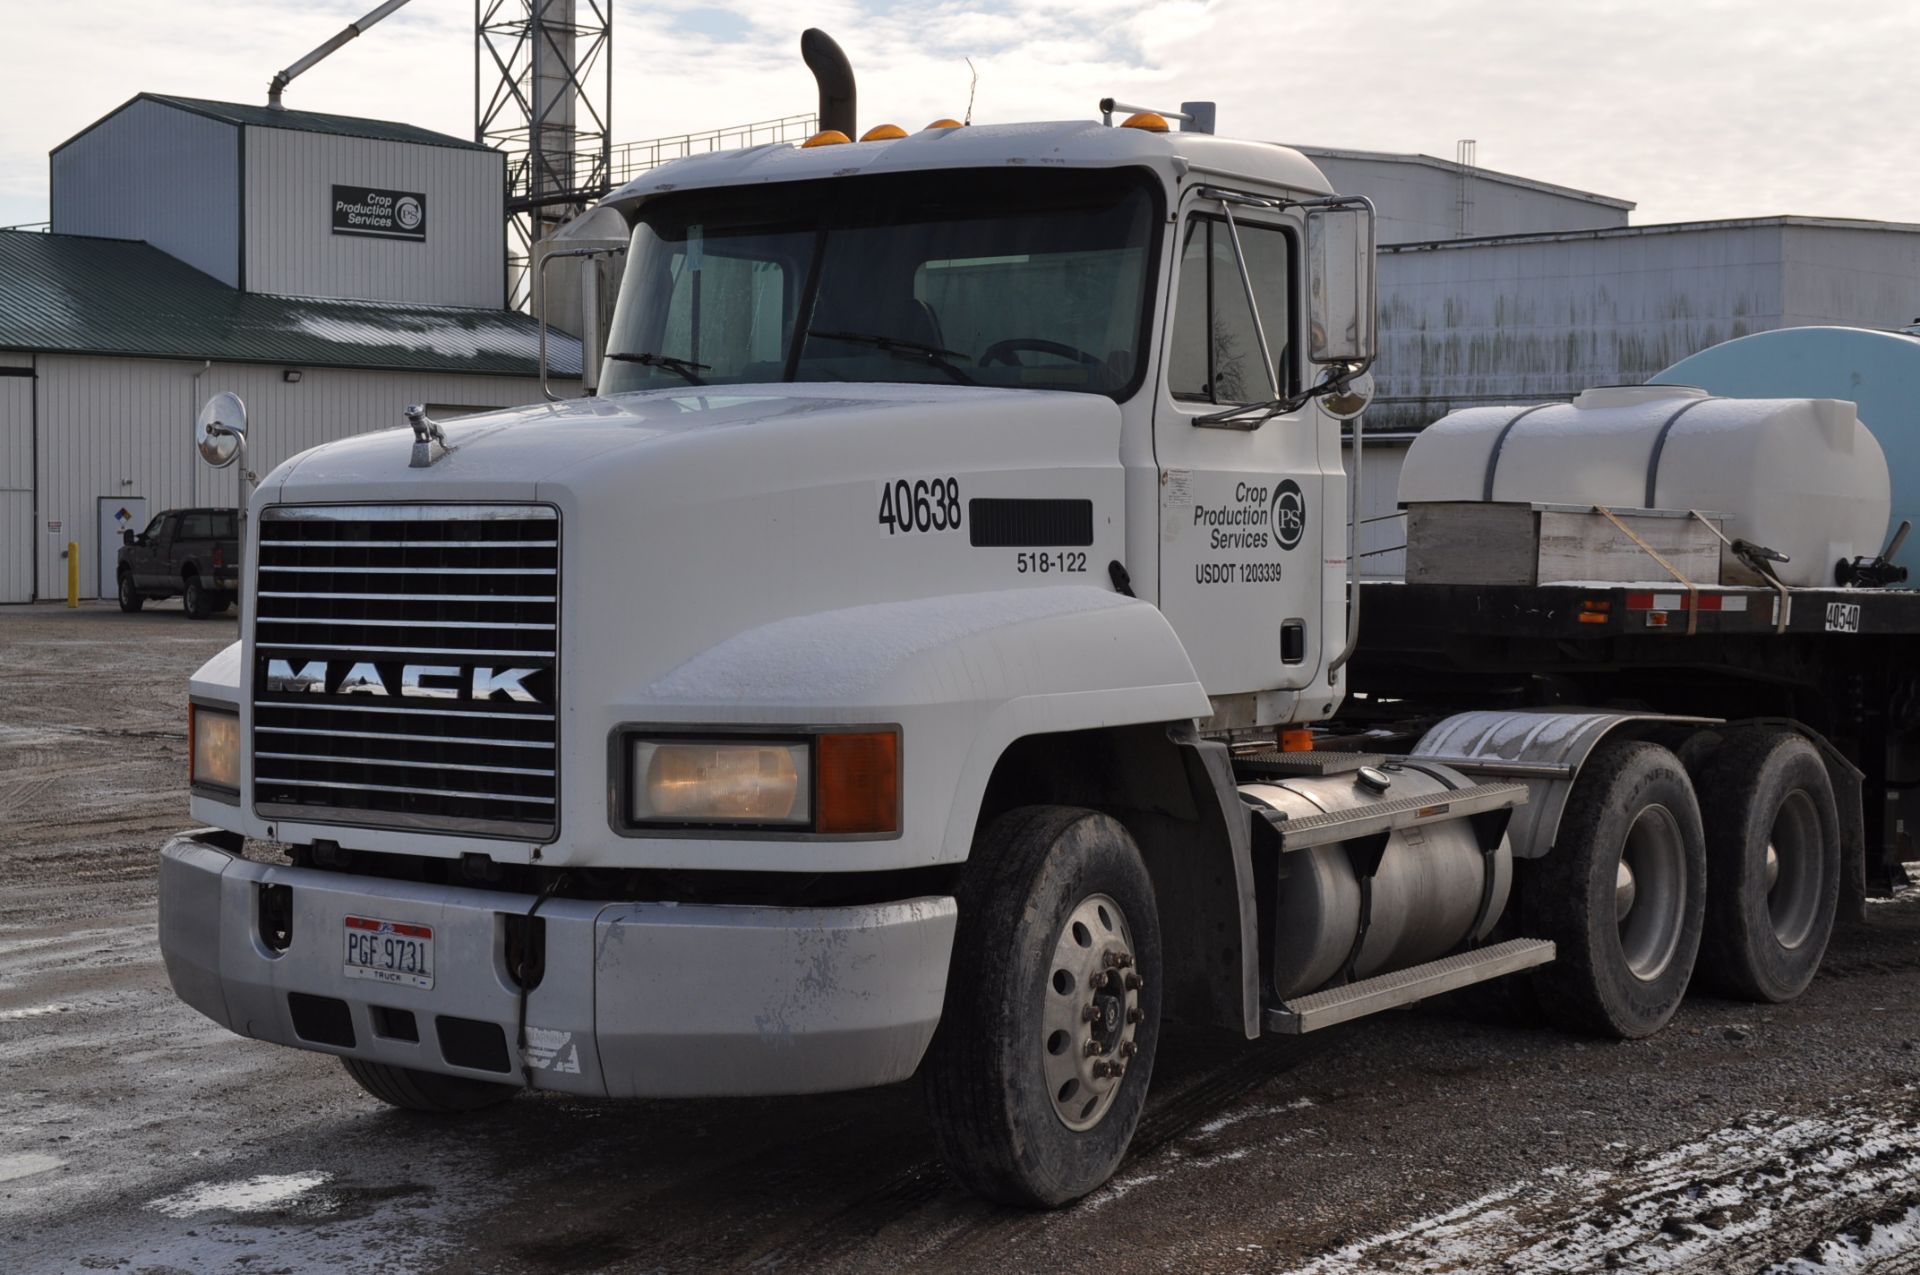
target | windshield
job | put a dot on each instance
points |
(1034, 280)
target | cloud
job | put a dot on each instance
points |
(1695, 108)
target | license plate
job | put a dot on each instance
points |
(396, 952)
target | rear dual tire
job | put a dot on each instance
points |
(1773, 864)
(1622, 894)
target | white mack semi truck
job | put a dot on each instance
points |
(884, 675)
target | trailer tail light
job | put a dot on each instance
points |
(858, 781)
(1596, 611)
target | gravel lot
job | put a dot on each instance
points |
(137, 1136)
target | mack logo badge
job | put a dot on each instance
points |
(409, 681)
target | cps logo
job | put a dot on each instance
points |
(409, 213)
(1289, 514)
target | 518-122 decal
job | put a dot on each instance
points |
(920, 505)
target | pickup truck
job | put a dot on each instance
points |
(193, 554)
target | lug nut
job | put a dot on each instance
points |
(1127, 1048)
(1136, 1015)
(1123, 960)
(1092, 1048)
(1110, 960)
(1133, 983)
(1099, 1070)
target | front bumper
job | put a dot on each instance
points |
(636, 999)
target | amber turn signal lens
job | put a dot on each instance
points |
(1147, 121)
(858, 780)
(1296, 741)
(883, 133)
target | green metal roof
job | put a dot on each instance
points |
(298, 121)
(80, 295)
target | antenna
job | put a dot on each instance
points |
(972, 88)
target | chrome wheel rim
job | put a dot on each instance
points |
(1792, 870)
(1087, 1032)
(1650, 892)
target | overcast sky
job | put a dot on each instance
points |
(1693, 108)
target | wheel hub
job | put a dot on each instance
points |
(1624, 891)
(1092, 1012)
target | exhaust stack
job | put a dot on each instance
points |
(834, 74)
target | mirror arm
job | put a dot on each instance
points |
(1253, 304)
(542, 272)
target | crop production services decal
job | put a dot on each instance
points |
(380, 214)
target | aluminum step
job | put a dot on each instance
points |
(1403, 987)
(1398, 812)
(1309, 762)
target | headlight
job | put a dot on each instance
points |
(839, 783)
(701, 782)
(213, 745)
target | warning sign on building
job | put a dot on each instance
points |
(379, 214)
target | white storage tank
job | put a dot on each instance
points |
(1800, 476)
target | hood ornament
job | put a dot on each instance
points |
(429, 440)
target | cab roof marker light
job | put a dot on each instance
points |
(942, 124)
(1194, 117)
(883, 133)
(827, 137)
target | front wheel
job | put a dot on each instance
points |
(1622, 894)
(1038, 1074)
(197, 599)
(425, 1090)
(130, 599)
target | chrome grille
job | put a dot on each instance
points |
(406, 667)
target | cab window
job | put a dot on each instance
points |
(1216, 350)
(196, 527)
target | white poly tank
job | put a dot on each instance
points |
(1799, 475)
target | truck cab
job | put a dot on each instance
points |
(880, 675)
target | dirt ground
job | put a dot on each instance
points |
(137, 1136)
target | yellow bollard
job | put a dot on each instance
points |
(73, 573)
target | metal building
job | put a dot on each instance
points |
(292, 202)
(1525, 318)
(331, 270)
(1421, 199)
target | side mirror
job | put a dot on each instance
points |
(221, 429)
(1340, 289)
(128, 539)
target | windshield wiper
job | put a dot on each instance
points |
(932, 355)
(685, 367)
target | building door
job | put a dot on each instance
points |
(17, 540)
(118, 514)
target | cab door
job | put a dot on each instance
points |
(1241, 552)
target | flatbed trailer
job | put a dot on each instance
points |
(1842, 663)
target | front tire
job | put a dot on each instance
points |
(1773, 864)
(428, 1091)
(1622, 894)
(130, 599)
(1037, 1076)
(196, 598)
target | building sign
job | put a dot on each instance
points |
(379, 214)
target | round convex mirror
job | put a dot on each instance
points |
(1348, 400)
(222, 424)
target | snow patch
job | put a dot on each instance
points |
(26, 1165)
(246, 1195)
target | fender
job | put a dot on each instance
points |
(965, 675)
(1544, 748)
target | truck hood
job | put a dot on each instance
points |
(690, 517)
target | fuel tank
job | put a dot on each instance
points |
(1427, 891)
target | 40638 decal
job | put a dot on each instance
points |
(920, 505)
